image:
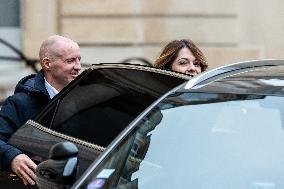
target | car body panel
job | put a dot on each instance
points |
(225, 71)
(266, 80)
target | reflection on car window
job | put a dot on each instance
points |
(226, 142)
(108, 175)
(215, 141)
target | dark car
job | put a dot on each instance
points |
(91, 111)
(222, 129)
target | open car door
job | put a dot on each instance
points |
(93, 109)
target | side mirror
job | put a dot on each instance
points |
(59, 171)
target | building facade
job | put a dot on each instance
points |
(227, 31)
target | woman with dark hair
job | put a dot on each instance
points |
(182, 56)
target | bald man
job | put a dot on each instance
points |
(60, 61)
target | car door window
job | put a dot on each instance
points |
(104, 102)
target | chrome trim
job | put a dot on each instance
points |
(65, 137)
(141, 68)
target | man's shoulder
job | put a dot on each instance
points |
(27, 80)
(31, 83)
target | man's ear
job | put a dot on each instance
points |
(46, 63)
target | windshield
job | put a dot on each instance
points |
(206, 141)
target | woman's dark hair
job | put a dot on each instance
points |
(171, 50)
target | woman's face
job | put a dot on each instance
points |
(186, 63)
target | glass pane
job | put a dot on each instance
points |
(221, 144)
(103, 103)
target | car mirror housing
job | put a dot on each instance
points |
(59, 171)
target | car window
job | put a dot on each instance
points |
(196, 140)
(104, 102)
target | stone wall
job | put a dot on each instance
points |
(111, 30)
(227, 31)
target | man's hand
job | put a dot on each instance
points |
(25, 168)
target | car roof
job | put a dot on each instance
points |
(264, 77)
